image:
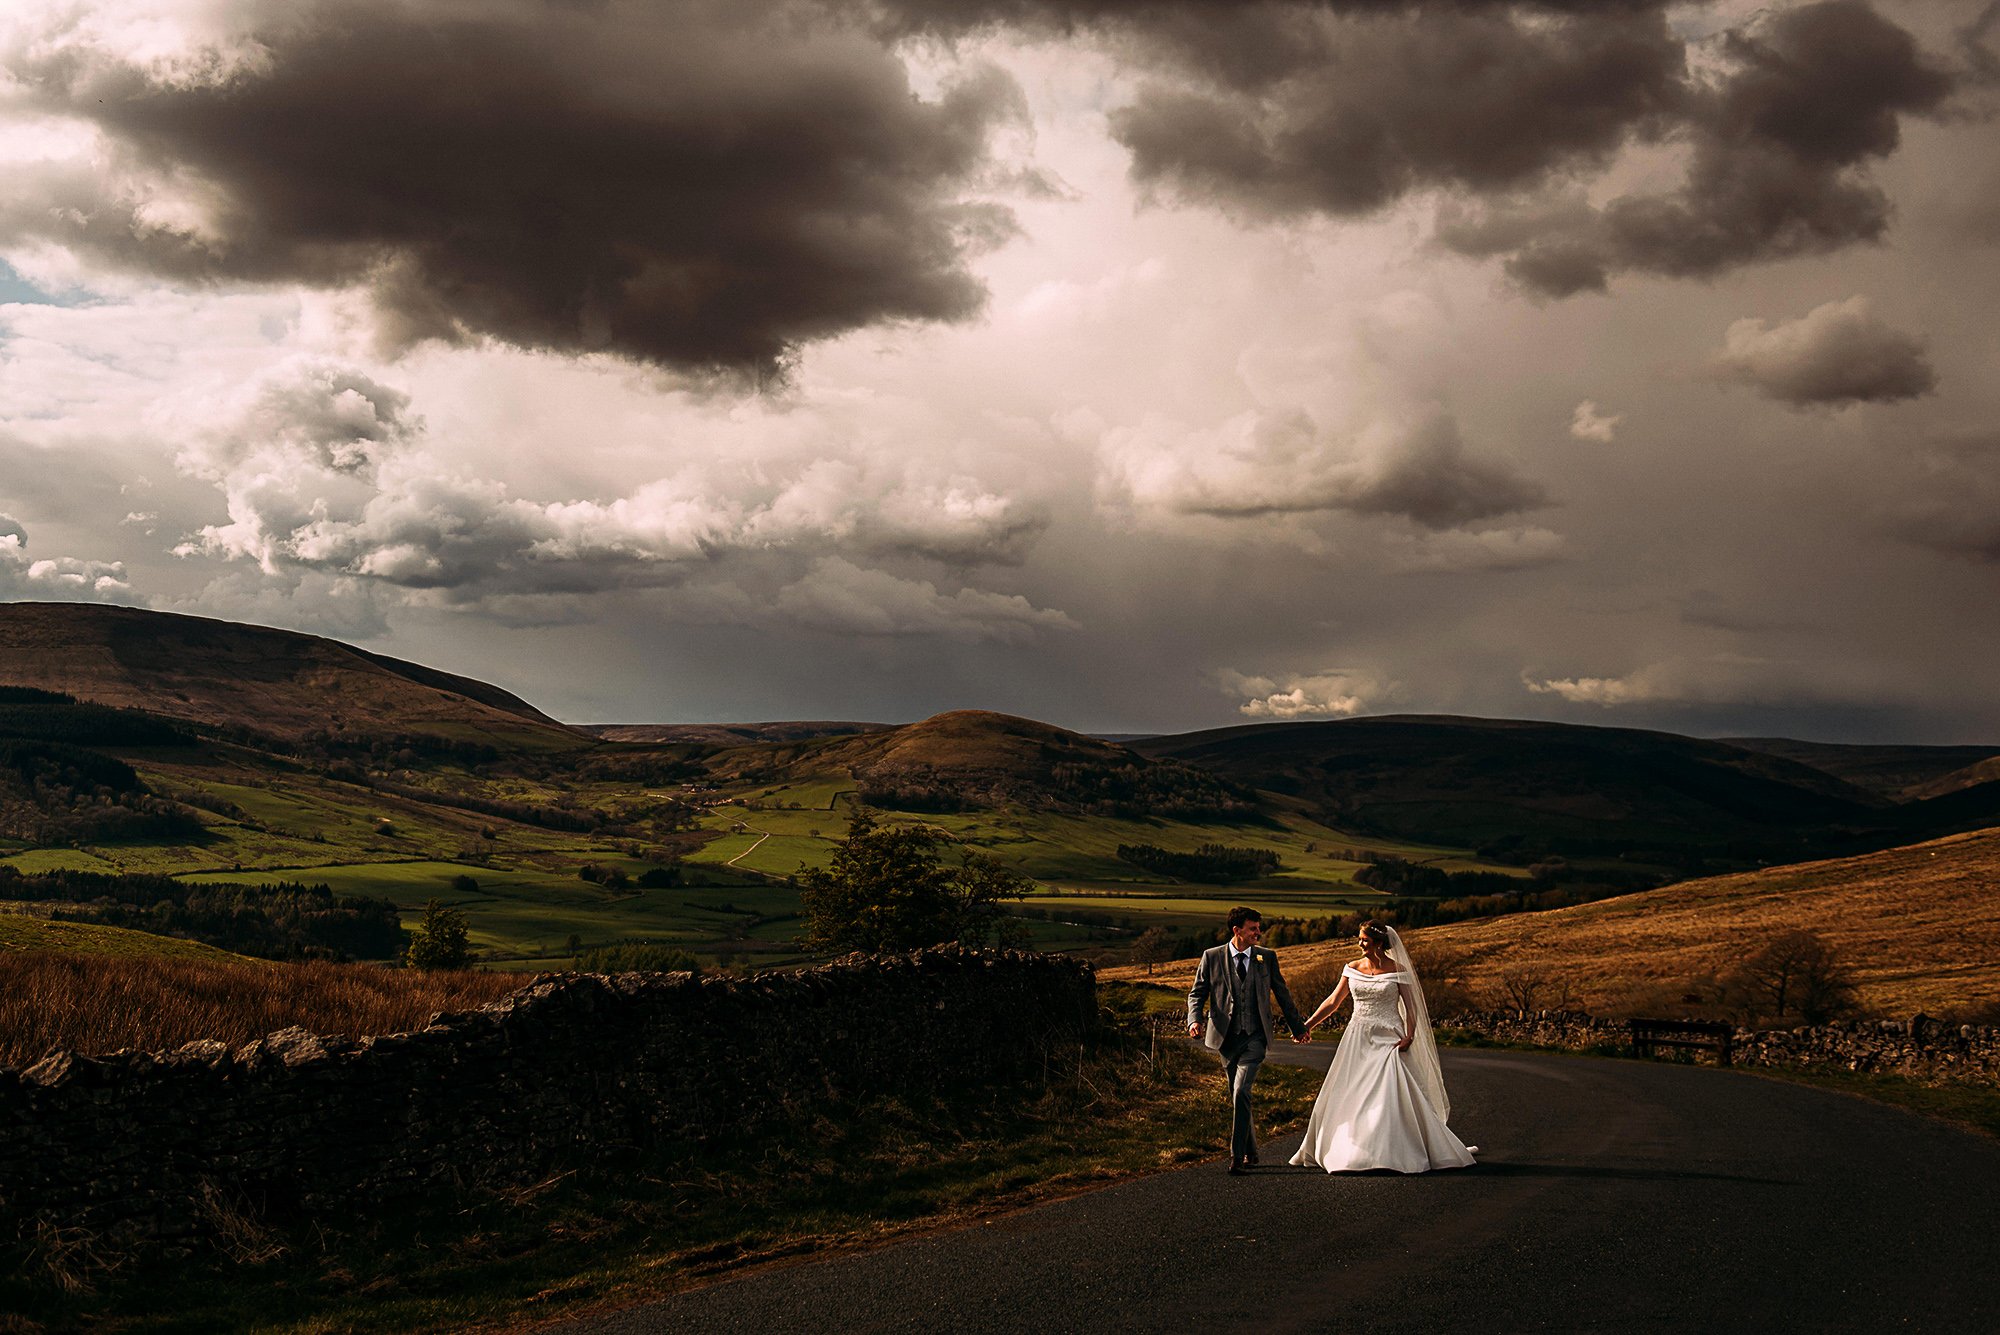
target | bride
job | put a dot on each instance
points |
(1383, 1104)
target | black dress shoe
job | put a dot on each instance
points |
(1238, 1167)
(1251, 1161)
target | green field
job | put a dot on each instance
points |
(524, 918)
(266, 820)
(19, 931)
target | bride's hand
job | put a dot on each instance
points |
(1404, 1044)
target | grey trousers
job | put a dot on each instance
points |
(1242, 1054)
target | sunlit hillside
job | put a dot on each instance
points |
(1920, 925)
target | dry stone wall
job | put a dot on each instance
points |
(571, 1070)
(1920, 1048)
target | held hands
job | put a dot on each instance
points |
(1404, 1045)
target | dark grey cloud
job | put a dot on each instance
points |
(1340, 107)
(1434, 482)
(1779, 150)
(1264, 464)
(1300, 111)
(701, 184)
(1837, 354)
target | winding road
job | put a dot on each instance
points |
(1611, 1196)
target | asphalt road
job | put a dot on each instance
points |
(1610, 1196)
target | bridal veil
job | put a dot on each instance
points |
(1422, 1057)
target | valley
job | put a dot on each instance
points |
(554, 841)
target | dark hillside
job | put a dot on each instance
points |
(258, 681)
(727, 734)
(1527, 789)
(1898, 773)
(1979, 772)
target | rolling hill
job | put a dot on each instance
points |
(968, 759)
(1959, 780)
(1525, 788)
(253, 679)
(1898, 773)
(1919, 924)
(726, 734)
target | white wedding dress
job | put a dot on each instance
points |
(1373, 1112)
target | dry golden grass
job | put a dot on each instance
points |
(1919, 925)
(97, 1004)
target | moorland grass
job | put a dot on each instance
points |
(616, 1232)
(100, 1004)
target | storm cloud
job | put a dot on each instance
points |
(1840, 353)
(1264, 463)
(1288, 110)
(1778, 146)
(704, 184)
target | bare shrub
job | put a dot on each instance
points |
(98, 1004)
(1314, 983)
(1443, 972)
(1522, 988)
(1795, 972)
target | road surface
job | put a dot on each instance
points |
(1610, 1196)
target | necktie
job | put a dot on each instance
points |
(1242, 968)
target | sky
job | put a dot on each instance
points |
(1133, 367)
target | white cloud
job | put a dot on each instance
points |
(1331, 693)
(61, 578)
(1639, 687)
(1719, 679)
(1587, 423)
(326, 472)
(1838, 354)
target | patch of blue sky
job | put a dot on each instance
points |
(15, 289)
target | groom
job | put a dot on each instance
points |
(1234, 986)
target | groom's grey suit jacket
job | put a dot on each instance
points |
(1212, 1000)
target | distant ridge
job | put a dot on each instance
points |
(728, 734)
(277, 683)
(1896, 772)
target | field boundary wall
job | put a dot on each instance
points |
(1920, 1048)
(137, 1149)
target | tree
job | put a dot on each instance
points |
(1154, 946)
(889, 887)
(439, 941)
(1798, 971)
(1523, 987)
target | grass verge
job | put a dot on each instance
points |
(620, 1233)
(1972, 1107)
